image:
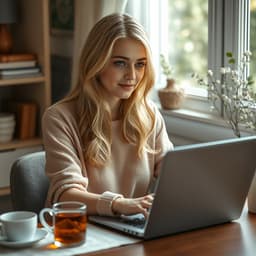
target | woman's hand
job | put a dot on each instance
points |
(130, 206)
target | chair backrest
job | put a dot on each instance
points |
(28, 182)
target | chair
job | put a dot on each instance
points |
(28, 182)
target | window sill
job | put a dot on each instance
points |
(196, 116)
(186, 126)
(194, 122)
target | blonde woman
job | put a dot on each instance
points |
(105, 140)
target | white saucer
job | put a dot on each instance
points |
(40, 234)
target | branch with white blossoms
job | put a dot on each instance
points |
(234, 91)
(166, 68)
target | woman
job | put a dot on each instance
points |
(104, 141)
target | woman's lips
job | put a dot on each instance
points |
(128, 86)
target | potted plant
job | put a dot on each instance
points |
(171, 96)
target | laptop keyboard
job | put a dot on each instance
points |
(136, 220)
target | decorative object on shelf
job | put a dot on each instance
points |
(8, 15)
(7, 127)
(234, 90)
(172, 95)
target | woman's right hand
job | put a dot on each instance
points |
(128, 206)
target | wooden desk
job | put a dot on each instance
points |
(231, 239)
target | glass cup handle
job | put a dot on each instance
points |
(42, 218)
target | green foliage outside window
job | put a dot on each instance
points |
(188, 37)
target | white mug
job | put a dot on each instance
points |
(18, 225)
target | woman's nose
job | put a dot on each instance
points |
(130, 73)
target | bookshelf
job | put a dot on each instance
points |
(30, 35)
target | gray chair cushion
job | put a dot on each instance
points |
(28, 182)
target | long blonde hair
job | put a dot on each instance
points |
(94, 114)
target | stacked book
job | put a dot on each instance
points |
(26, 116)
(18, 65)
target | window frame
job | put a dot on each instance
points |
(228, 30)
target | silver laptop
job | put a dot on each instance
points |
(200, 185)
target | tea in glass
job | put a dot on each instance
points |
(69, 223)
(69, 228)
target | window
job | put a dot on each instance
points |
(195, 35)
(188, 39)
(253, 40)
(179, 31)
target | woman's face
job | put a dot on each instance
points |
(125, 69)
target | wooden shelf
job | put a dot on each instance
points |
(28, 37)
(14, 144)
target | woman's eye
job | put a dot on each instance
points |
(140, 64)
(120, 63)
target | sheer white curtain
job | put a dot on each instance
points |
(87, 13)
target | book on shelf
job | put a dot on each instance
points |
(17, 57)
(17, 64)
(26, 114)
(20, 72)
(22, 76)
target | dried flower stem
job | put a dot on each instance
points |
(234, 93)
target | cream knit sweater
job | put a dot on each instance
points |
(66, 168)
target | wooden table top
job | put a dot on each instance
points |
(235, 238)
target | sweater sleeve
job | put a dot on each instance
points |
(63, 160)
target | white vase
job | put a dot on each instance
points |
(251, 199)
